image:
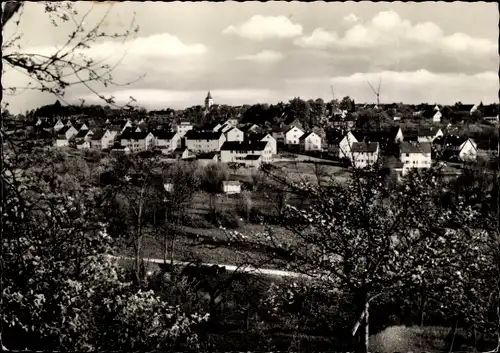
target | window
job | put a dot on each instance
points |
(407, 155)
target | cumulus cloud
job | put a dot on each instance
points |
(260, 27)
(351, 18)
(387, 28)
(265, 56)
(158, 45)
(319, 38)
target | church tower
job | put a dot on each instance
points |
(208, 101)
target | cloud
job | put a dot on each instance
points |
(265, 56)
(412, 86)
(319, 38)
(260, 27)
(163, 45)
(388, 29)
(351, 18)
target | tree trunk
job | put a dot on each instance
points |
(138, 253)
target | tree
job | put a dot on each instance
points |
(211, 178)
(364, 239)
(300, 110)
(184, 182)
(346, 104)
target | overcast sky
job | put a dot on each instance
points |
(252, 52)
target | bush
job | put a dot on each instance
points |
(229, 220)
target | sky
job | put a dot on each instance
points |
(267, 52)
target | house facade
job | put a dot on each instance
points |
(183, 127)
(464, 149)
(231, 187)
(340, 144)
(310, 142)
(293, 135)
(247, 152)
(264, 137)
(167, 140)
(137, 141)
(364, 154)
(429, 134)
(204, 141)
(234, 134)
(415, 155)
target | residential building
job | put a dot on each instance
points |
(340, 143)
(234, 134)
(58, 126)
(183, 127)
(364, 154)
(460, 148)
(415, 155)
(232, 122)
(310, 141)
(292, 135)
(204, 141)
(83, 135)
(265, 137)
(278, 133)
(83, 144)
(128, 124)
(68, 131)
(167, 140)
(231, 187)
(436, 118)
(246, 152)
(206, 158)
(429, 134)
(137, 141)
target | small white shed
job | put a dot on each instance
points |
(231, 187)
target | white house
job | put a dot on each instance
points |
(247, 152)
(137, 141)
(83, 145)
(167, 140)
(292, 135)
(436, 118)
(204, 141)
(264, 137)
(59, 125)
(128, 124)
(183, 127)
(68, 131)
(364, 154)
(232, 122)
(463, 148)
(231, 187)
(310, 142)
(429, 134)
(83, 135)
(340, 144)
(234, 134)
(415, 155)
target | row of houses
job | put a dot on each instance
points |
(411, 151)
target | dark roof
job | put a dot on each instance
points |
(208, 155)
(465, 107)
(63, 130)
(77, 126)
(252, 157)
(257, 136)
(82, 133)
(134, 135)
(306, 135)
(407, 147)
(163, 134)
(98, 134)
(203, 135)
(243, 146)
(209, 96)
(364, 147)
(427, 131)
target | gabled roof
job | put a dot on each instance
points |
(364, 147)
(257, 136)
(164, 135)
(407, 147)
(428, 131)
(77, 126)
(208, 155)
(231, 182)
(252, 157)
(243, 146)
(63, 130)
(82, 133)
(203, 135)
(306, 135)
(291, 128)
(98, 134)
(233, 128)
(134, 135)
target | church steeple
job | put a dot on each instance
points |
(208, 101)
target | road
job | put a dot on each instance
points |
(231, 268)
